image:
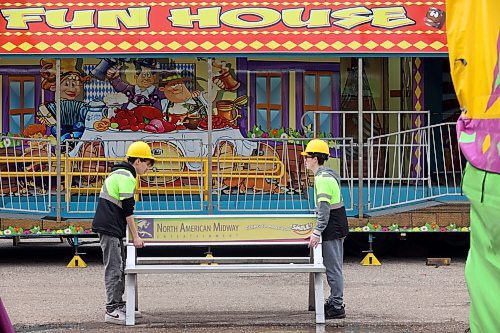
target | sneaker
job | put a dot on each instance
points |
(328, 305)
(332, 312)
(137, 314)
(115, 317)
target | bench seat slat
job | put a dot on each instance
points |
(248, 260)
(226, 268)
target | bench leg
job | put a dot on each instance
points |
(319, 298)
(130, 284)
(136, 296)
(311, 282)
(311, 306)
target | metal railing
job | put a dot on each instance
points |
(272, 178)
(175, 182)
(26, 170)
(375, 122)
(414, 165)
(403, 167)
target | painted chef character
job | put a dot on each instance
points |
(144, 92)
(180, 102)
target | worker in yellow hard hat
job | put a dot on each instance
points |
(141, 150)
(331, 224)
(115, 211)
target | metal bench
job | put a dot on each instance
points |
(179, 265)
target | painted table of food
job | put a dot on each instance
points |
(186, 137)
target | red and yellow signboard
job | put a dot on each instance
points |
(50, 27)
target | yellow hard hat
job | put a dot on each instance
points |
(316, 146)
(140, 149)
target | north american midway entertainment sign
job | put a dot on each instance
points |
(223, 229)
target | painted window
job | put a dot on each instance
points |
(268, 96)
(326, 73)
(319, 95)
(21, 103)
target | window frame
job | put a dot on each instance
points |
(22, 111)
(20, 70)
(317, 106)
(268, 106)
(246, 73)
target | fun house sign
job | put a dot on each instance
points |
(60, 27)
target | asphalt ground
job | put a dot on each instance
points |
(403, 295)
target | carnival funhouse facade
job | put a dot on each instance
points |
(228, 94)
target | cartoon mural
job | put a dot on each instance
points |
(159, 106)
(107, 101)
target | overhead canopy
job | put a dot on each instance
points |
(50, 27)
